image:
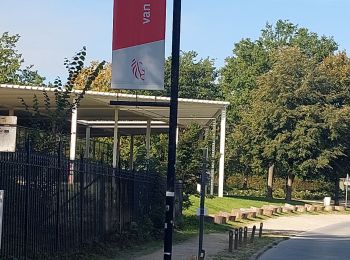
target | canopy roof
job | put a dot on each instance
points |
(95, 109)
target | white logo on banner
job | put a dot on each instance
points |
(138, 69)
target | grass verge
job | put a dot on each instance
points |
(129, 248)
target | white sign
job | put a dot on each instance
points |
(198, 212)
(7, 139)
(8, 120)
(8, 133)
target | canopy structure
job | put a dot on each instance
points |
(97, 117)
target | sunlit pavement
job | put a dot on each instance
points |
(329, 242)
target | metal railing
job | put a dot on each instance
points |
(52, 204)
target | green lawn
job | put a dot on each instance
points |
(214, 205)
(184, 230)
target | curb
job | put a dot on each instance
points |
(267, 247)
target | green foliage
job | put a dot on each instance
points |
(226, 204)
(288, 95)
(50, 112)
(291, 122)
(197, 77)
(11, 61)
(303, 189)
(251, 59)
(190, 160)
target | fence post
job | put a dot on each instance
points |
(240, 235)
(253, 233)
(260, 229)
(230, 240)
(58, 197)
(245, 234)
(81, 180)
(28, 173)
(236, 239)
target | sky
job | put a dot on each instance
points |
(52, 30)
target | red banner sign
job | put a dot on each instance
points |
(138, 44)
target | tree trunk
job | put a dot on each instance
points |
(289, 184)
(245, 181)
(336, 191)
(270, 182)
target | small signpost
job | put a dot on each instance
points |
(8, 133)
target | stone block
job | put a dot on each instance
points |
(268, 212)
(329, 208)
(339, 208)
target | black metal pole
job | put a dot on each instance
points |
(58, 191)
(28, 174)
(201, 252)
(170, 194)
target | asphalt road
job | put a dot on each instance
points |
(329, 242)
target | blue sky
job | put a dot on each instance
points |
(54, 29)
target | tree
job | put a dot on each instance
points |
(11, 61)
(190, 160)
(250, 60)
(299, 116)
(51, 116)
(101, 83)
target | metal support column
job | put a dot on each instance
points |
(170, 190)
(131, 156)
(148, 140)
(222, 152)
(115, 138)
(212, 168)
(87, 141)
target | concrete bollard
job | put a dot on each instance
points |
(309, 208)
(287, 210)
(218, 219)
(236, 213)
(244, 215)
(339, 208)
(259, 211)
(268, 212)
(229, 216)
(301, 208)
(329, 208)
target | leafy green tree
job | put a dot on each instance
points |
(197, 77)
(238, 79)
(190, 160)
(101, 83)
(299, 116)
(11, 61)
(251, 59)
(51, 114)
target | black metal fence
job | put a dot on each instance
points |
(52, 204)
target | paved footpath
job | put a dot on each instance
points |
(216, 243)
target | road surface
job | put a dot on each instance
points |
(329, 242)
